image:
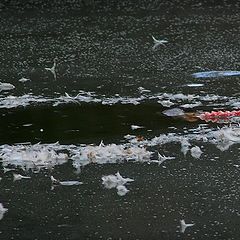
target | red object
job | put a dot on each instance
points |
(219, 116)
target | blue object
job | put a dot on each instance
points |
(212, 74)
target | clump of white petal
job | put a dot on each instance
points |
(122, 190)
(225, 137)
(196, 152)
(116, 181)
(110, 153)
(31, 156)
(6, 86)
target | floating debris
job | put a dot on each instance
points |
(185, 146)
(6, 86)
(31, 156)
(112, 181)
(166, 103)
(184, 225)
(134, 127)
(166, 99)
(191, 105)
(138, 149)
(122, 190)
(5, 170)
(17, 177)
(65, 183)
(143, 90)
(24, 79)
(53, 68)
(162, 158)
(215, 74)
(196, 152)
(174, 112)
(195, 85)
(3, 210)
(158, 42)
(116, 181)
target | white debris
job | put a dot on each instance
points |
(64, 183)
(92, 97)
(112, 181)
(143, 90)
(158, 42)
(224, 137)
(195, 85)
(185, 146)
(5, 170)
(134, 127)
(122, 190)
(128, 136)
(184, 225)
(23, 79)
(166, 103)
(191, 105)
(2, 211)
(121, 180)
(196, 152)
(110, 153)
(17, 177)
(6, 86)
(116, 181)
(174, 112)
(162, 158)
(53, 68)
(31, 156)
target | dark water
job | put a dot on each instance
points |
(108, 80)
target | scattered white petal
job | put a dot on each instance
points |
(195, 85)
(134, 127)
(17, 177)
(70, 183)
(162, 158)
(184, 225)
(121, 180)
(23, 79)
(64, 183)
(2, 211)
(143, 90)
(158, 42)
(53, 68)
